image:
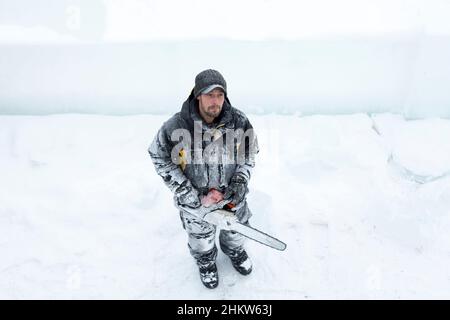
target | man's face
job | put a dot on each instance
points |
(210, 104)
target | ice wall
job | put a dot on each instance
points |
(406, 74)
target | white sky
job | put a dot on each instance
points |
(143, 20)
(262, 19)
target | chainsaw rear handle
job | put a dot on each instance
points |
(229, 206)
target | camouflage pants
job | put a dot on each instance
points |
(202, 235)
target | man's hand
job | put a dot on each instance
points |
(213, 196)
(187, 195)
(237, 190)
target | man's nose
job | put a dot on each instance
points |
(215, 100)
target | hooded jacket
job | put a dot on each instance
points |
(173, 159)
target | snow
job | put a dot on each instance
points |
(84, 215)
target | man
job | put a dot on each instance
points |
(211, 177)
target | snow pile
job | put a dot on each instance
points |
(362, 203)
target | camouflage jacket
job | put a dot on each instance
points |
(174, 157)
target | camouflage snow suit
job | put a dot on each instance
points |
(178, 173)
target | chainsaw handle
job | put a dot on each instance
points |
(230, 206)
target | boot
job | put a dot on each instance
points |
(241, 262)
(209, 276)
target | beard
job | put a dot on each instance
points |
(213, 111)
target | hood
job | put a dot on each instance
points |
(190, 113)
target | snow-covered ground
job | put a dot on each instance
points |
(362, 202)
